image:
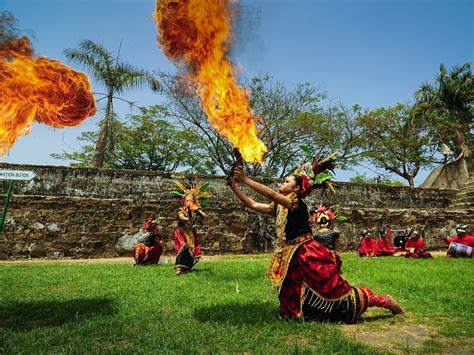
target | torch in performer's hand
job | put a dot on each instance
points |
(239, 161)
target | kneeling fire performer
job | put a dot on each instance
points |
(308, 280)
(185, 238)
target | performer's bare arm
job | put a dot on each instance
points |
(256, 206)
(262, 189)
(182, 216)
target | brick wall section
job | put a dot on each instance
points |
(80, 213)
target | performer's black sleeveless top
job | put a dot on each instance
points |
(328, 238)
(149, 240)
(298, 221)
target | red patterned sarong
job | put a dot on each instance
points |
(145, 255)
(186, 248)
(311, 286)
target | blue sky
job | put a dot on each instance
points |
(373, 53)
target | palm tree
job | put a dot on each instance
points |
(117, 77)
(452, 98)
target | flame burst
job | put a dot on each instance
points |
(38, 89)
(197, 33)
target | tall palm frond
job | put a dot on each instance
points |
(130, 77)
(451, 96)
(117, 77)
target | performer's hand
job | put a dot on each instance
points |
(240, 173)
(233, 185)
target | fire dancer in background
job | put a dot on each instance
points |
(462, 244)
(384, 243)
(149, 249)
(416, 247)
(368, 246)
(302, 269)
(185, 238)
(324, 218)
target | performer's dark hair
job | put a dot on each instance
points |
(299, 182)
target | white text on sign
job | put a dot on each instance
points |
(16, 175)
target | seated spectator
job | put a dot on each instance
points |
(368, 245)
(384, 243)
(416, 247)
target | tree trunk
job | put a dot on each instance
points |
(462, 150)
(411, 181)
(102, 141)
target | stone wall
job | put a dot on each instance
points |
(40, 226)
(131, 184)
(77, 213)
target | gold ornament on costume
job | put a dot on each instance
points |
(193, 196)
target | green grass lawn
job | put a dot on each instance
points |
(226, 305)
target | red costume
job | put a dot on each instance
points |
(325, 217)
(307, 275)
(147, 255)
(186, 248)
(368, 246)
(186, 242)
(384, 244)
(416, 248)
(149, 249)
(463, 243)
(465, 239)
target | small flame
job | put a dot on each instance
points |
(38, 89)
(197, 35)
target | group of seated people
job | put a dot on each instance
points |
(410, 244)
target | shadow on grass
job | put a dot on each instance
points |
(258, 312)
(36, 314)
(238, 313)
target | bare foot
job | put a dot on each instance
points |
(395, 307)
(178, 271)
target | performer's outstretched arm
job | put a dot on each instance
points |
(256, 206)
(262, 189)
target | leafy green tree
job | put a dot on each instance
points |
(184, 108)
(147, 141)
(116, 77)
(450, 100)
(378, 180)
(397, 140)
(337, 129)
(287, 120)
